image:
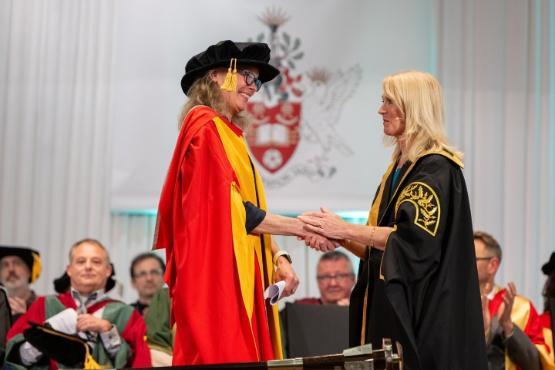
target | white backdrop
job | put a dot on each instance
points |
(55, 131)
(89, 98)
(497, 66)
(153, 43)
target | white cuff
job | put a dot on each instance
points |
(280, 254)
(111, 340)
(29, 354)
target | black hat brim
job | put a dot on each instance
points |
(266, 72)
(26, 254)
(549, 267)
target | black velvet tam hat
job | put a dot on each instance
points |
(30, 256)
(549, 267)
(256, 54)
(68, 350)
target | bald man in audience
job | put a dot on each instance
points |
(336, 279)
(114, 330)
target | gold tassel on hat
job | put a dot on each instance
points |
(90, 363)
(230, 82)
(37, 267)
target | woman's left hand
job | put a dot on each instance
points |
(284, 271)
(325, 223)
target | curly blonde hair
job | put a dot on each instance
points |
(205, 91)
(419, 98)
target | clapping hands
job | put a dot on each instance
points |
(506, 308)
(503, 313)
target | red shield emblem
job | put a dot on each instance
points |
(274, 133)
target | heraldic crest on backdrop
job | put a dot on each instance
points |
(298, 110)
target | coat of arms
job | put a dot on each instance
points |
(297, 107)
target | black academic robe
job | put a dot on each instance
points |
(5, 323)
(423, 290)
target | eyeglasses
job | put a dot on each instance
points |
(144, 274)
(338, 277)
(483, 258)
(251, 78)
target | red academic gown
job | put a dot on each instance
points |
(129, 322)
(215, 271)
(525, 316)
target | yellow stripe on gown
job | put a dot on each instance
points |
(245, 246)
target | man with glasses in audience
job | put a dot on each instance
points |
(147, 277)
(511, 323)
(336, 279)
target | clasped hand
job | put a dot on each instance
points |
(324, 229)
(87, 322)
(17, 305)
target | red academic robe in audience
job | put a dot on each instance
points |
(525, 316)
(134, 351)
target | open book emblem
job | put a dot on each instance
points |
(274, 133)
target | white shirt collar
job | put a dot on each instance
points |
(89, 299)
(493, 292)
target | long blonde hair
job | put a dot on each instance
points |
(204, 91)
(419, 98)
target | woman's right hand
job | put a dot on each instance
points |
(319, 242)
(325, 223)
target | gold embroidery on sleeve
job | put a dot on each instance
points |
(426, 203)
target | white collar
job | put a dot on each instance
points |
(493, 292)
(89, 299)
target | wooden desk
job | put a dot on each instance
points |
(381, 359)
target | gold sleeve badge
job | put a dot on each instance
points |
(426, 203)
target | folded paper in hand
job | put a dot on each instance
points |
(65, 321)
(274, 292)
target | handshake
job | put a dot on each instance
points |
(322, 230)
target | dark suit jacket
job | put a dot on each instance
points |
(5, 322)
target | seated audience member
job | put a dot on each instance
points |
(336, 279)
(114, 330)
(19, 267)
(511, 324)
(147, 276)
(548, 316)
